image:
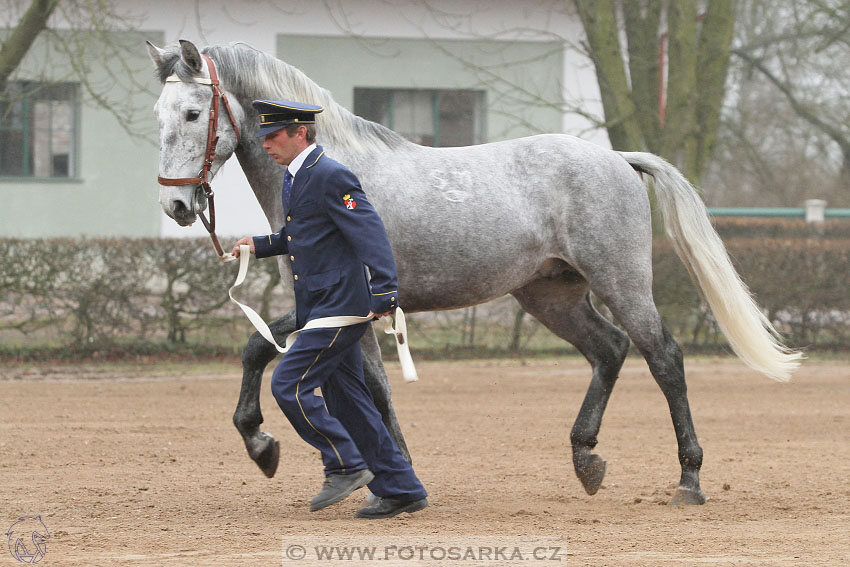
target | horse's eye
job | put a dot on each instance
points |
(192, 115)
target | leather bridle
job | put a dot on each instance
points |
(203, 178)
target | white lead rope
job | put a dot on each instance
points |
(395, 324)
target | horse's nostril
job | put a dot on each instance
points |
(179, 207)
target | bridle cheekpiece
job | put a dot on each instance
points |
(203, 178)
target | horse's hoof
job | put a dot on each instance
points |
(269, 456)
(590, 472)
(688, 497)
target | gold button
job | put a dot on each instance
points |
(288, 219)
(289, 238)
(296, 277)
(292, 258)
(393, 299)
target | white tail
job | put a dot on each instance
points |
(749, 332)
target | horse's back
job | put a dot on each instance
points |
(543, 188)
(483, 220)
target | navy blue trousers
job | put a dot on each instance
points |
(343, 424)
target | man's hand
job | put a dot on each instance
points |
(249, 240)
(379, 315)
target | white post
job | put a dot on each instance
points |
(815, 210)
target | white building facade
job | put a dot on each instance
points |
(441, 73)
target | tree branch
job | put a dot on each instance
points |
(15, 48)
(799, 107)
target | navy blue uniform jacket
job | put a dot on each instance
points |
(331, 234)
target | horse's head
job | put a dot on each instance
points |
(183, 113)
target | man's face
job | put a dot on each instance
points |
(284, 148)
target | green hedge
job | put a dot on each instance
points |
(99, 294)
(89, 298)
(799, 274)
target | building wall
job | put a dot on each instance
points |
(111, 193)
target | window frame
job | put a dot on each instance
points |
(479, 119)
(29, 96)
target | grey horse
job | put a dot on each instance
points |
(547, 218)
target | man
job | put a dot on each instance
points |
(332, 233)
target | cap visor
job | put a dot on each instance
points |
(264, 130)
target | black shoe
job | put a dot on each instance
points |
(389, 507)
(338, 487)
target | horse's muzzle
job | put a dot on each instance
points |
(183, 203)
(180, 212)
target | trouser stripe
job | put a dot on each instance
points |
(298, 399)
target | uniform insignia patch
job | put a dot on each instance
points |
(349, 202)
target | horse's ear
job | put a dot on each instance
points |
(157, 54)
(190, 55)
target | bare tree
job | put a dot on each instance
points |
(91, 43)
(769, 156)
(16, 46)
(676, 118)
(801, 49)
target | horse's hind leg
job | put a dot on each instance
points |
(638, 314)
(379, 385)
(257, 354)
(563, 305)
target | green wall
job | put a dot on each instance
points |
(521, 79)
(114, 192)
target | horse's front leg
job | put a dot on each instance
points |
(379, 385)
(262, 447)
(258, 353)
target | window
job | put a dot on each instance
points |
(38, 124)
(439, 118)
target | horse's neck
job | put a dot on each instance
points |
(265, 176)
(344, 155)
(340, 143)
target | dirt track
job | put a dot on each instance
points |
(129, 466)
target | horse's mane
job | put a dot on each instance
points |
(252, 74)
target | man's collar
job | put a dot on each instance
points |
(299, 160)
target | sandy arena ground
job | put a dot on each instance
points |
(141, 466)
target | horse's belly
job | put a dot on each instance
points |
(454, 286)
